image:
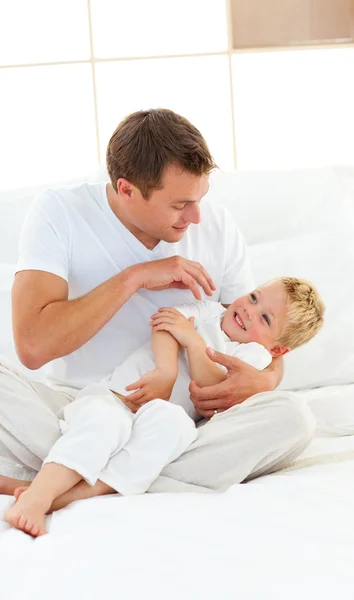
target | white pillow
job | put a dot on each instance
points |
(333, 409)
(326, 259)
(270, 206)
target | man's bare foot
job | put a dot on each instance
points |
(81, 491)
(19, 490)
(8, 485)
(27, 514)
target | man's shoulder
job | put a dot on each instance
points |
(213, 210)
(215, 226)
(70, 195)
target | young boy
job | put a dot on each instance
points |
(104, 440)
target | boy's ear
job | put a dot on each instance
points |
(279, 351)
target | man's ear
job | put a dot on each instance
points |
(125, 190)
(279, 351)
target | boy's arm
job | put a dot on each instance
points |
(159, 382)
(203, 371)
(165, 350)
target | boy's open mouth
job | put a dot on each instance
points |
(239, 321)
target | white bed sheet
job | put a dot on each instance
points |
(283, 536)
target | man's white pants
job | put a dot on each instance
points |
(259, 436)
(102, 439)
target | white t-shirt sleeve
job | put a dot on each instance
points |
(237, 280)
(201, 311)
(45, 238)
(252, 353)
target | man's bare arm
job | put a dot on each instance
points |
(46, 325)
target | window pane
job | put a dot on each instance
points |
(259, 23)
(33, 31)
(157, 27)
(46, 123)
(197, 88)
(294, 109)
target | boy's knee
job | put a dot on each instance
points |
(173, 416)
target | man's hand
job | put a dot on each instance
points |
(171, 320)
(242, 382)
(173, 272)
(154, 384)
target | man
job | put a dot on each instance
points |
(96, 261)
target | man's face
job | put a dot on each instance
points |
(258, 316)
(169, 211)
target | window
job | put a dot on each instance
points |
(70, 70)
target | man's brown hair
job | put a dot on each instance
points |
(148, 141)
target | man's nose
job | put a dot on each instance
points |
(194, 213)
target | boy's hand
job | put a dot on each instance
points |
(171, 320)
(154, 384)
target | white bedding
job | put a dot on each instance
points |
(288, 535)
(282, 537)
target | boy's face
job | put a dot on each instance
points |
(258, 317)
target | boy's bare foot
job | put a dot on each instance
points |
(8, 485)
(27, 514)
(80, 491)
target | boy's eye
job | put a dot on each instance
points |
(254, 298)
(267, 319)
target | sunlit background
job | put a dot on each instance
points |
(70, 70)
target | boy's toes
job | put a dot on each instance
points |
(22, 522)
(34, 530)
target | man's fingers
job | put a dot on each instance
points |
(191, 283)
(230, 362)
(214, 404)
(209, 414)
(206, 393)
(136, 385)
(135, 397)
(202, 278)
(205, 274)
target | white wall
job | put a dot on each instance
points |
(70, 70)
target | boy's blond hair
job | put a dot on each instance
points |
(305, 312)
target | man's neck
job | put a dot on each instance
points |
(117, 208)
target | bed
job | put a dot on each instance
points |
(286, 535)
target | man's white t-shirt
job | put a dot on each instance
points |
(73, 233)
(207, 321)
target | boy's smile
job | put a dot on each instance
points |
(258, 316)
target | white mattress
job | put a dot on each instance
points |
(283, 536)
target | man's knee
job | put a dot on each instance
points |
(296, 416)
(286, 411)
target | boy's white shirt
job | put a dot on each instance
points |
(207, 321)
(73, 233)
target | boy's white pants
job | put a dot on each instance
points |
(263, 434)
(102, 439)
